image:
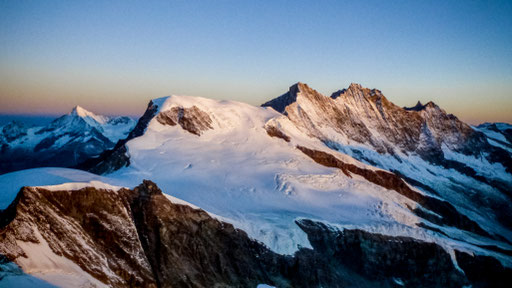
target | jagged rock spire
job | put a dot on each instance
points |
(280, 103)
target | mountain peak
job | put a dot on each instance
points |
(419, 106)
(431, 105)
(280, 103)
(299, 86)
(355, 86)
(79, 111)
(356, 90)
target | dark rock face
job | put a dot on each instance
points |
(273, 131)
(382, 258)
(484, 271)
(151, 242)
(192, 119)
(279, 104)
(188, 248)
(417, 107)
(86, 226)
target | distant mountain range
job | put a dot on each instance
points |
(308, 190)
(65, 142)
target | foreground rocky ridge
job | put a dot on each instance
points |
(140, 238)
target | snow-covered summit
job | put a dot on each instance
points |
(221, 115)
(81, 112)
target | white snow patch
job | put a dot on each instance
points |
(80, 185)
(11, 183)
(178, 201)
(43, 263)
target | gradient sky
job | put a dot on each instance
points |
(113, 56)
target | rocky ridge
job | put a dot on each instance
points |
(137, 237)
(366, 116)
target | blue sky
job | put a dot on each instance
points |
(113, 56)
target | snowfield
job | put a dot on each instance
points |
(11, 183)
(258, 183)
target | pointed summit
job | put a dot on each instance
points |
(83, 113)
(355, 89)
(279, 104)
(355, 86)
(419, 106)
(80, 111)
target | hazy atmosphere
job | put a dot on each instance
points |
(113, 56)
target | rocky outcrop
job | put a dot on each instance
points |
(484, 271)
(91, 227)
(192, 119)
(393, 260)
(188, 248)
(139, 238)
(273, 131)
